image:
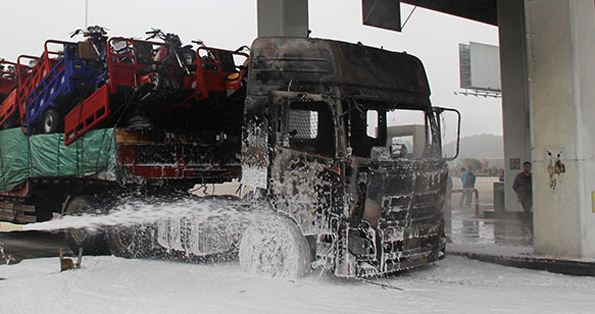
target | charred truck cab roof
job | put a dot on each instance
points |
(324, 137)
(320, 66)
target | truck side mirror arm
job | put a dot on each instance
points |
(439, 111)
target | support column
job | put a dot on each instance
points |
(562, 72)
(288, 18)
(515, 94)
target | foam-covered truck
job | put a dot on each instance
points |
(338, 141)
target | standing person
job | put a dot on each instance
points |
(463, 180)
(469, 186)
(523, 187)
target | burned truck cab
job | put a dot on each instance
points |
(342, 140)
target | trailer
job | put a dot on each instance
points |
(307, 132)
(41, 176)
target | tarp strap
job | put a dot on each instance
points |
(78, 164)
(99, 155)
(59, 138)
(29, 155)
(2, 165)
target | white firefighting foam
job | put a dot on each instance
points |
(143, 212)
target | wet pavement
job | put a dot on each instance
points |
(487, 228)
(505, 241)
(468, 228)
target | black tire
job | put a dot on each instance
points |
(120, 241)
(93, 242)
(274, 246)
(136, 241)
(51, 122)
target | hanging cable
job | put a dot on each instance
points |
(408, 17)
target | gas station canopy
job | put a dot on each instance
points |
(479, 10)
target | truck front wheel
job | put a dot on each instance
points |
(93, 242)
(275, 246)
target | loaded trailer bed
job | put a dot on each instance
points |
(38, 174)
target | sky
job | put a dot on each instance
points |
(433, 37)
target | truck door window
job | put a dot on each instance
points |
(367, 130)
(408, 133)
(372, 123)
(310, 128)
(303, 124)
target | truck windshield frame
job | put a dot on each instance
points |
(364, 135)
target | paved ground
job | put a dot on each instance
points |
(454, 285)
(504, 241)
(470, 228)
(485, 186)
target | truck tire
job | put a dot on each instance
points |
(51, 122)
(274, 246)
(120, 241)
(136, 241)
(93, 242)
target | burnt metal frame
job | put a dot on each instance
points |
(336, 221)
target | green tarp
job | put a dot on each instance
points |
(14, 159)
(45, 156)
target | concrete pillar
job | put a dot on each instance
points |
(515, 93)
(562, 75)
(288, 18)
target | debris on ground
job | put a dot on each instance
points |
(5, 259)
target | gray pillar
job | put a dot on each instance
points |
(288, 18)
(562, 73)
(515, 93)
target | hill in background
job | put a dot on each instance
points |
(479, 147)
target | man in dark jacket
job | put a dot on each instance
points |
(523, 186)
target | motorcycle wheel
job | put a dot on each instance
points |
(51, 121)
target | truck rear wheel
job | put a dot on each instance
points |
(275, 246)
(120, 241)
(93, 242)
(135, 241)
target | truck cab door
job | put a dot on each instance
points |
(303, 171)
